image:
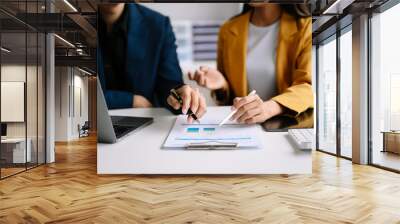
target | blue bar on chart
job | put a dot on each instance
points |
(192, 130)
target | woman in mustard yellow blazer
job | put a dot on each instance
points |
(266, 48)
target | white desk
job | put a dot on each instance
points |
(141, 153)
(19, 154)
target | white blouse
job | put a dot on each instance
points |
(261, 57)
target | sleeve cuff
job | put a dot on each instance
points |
(119, 99)
(296, 106)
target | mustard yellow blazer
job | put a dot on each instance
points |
(293, 60)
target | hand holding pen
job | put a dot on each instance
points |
(252, 109)
(189, 100)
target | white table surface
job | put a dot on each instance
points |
(142, 153)
(19, 151)
(13, 140)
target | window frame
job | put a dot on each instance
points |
(333, 37)
(27, 29)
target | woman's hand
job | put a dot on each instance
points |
(251, 109)
(191, 99)
(209, 78)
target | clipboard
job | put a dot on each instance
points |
(208, 135)
(212, 145)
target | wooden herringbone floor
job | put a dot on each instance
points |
(69, 191)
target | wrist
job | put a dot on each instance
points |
(221, 94)
(224, 87)
(273, 108)
(179, 86)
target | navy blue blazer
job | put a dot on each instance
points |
(151, 60)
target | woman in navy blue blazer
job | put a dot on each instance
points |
(137, 60)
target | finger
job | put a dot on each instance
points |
(198, 75)
(202, 107)
(205, 83)
(194, 104)
(204, 68)
(202, 80)
(245, 103)
(237, 103)
(191, 75)
(198, 72)
(190, 119)
(249, 114)
(173, 103)
(186, 98)
(254, 120)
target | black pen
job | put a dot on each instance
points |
(179, 99)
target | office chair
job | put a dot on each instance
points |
(84, 130)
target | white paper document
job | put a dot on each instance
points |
(208, 132)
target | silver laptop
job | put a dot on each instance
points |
(110, 129)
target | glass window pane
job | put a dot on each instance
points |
(23, 89)
(327, 97)
(13, 86)
(385, 84)
(346, 94)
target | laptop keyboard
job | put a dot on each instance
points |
(126, 121)
(124, 125)
(122, 130)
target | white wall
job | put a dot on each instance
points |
(61, 103)
(12, 73)
(196, 11)
(80, 94)
(34, 126)
(70, 84)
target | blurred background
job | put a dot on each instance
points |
(196, 27)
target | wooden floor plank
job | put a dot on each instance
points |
(70, 191)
